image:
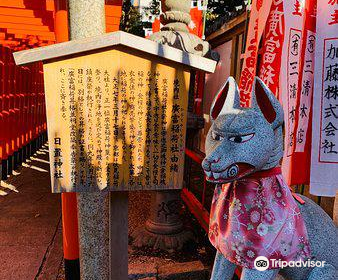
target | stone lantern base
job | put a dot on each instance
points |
(163, 230)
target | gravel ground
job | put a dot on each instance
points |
(139, 205)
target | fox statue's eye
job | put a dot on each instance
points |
(216, 136)
(241, 138)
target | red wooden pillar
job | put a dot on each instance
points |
(69, 202)
(26, 113)
(3, 154)
(15, 101)
(7, 112)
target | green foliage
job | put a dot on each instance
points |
(210, 16)
(153, 9)
(131, 19)
(221, 8)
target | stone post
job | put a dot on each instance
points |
(86, 19)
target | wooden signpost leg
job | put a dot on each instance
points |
(118, 210)
(335, 210)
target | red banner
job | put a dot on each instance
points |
(302, 131)
(258, 17)
(272, 47)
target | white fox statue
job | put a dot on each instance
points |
(253, 212)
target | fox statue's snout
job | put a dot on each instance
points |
(243, 140)
(232, 172)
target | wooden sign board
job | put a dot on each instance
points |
(116, 119)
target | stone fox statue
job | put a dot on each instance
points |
(253, 211)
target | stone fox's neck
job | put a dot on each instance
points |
(277, 153)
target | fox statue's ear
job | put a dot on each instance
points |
(227, 98)
(263, 100)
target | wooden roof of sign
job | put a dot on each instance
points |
(110, 40)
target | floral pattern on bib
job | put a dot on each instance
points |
(257, 217)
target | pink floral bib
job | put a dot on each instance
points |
(257, 216)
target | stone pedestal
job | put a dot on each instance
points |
(164, 229)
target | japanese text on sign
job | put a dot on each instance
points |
(116, 128)
(329, 108)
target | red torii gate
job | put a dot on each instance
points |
(27, 24)
(31, 23)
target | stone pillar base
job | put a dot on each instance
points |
(167, 242)
(164, 229)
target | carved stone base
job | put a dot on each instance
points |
(170, 243)
(164, 229)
